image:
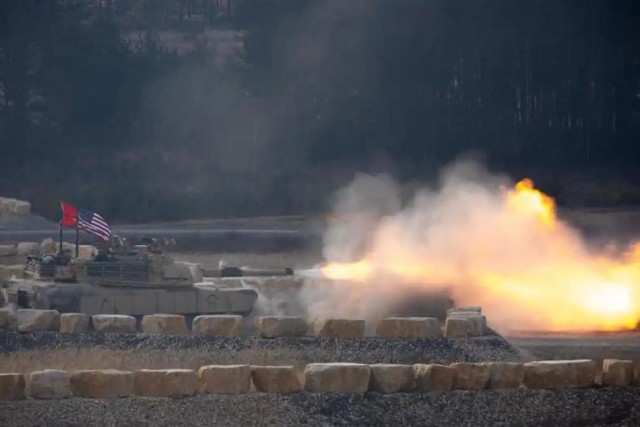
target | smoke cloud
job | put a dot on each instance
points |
(473, 238)
(358, 208)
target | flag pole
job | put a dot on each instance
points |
(77, 238)
(60, 247)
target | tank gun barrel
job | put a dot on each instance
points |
(247, 272)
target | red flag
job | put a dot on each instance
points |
(69, 215)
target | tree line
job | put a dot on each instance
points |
(184, 108)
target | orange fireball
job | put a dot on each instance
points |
(526, 200)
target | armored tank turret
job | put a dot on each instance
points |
(128, 282)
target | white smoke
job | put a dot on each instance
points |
(369, 209)
(460, 238)
(358, 208)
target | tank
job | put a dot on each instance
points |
(133, 283)
(139, 282)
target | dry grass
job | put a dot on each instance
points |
(130, 360)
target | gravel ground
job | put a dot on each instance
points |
(587, 407)
(305, 349)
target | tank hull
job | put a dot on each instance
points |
(88, 298)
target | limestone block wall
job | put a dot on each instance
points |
(413, 328)
(342, 378)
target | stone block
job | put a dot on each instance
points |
(30, 320)
(409, 327)
(224, 379)
(433, 377)
(50, 384)
(586, 372)
(114, 323)
(470, 376)
(218, 325)
(617, 372)
(469, 309)
(477, 323)
(12, 387)
(21, 208)
(391, 378)
(165, 382)
(504, 375)
(559, 374)
(339, 328)
(275, 379)
(74, 323)
(337, 377)
(280, 326)
(28, 248)
(102, 384)
(6, 205)
(8, 250)
(457, 327)
(49, 247)
(170, 324)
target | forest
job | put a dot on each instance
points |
(171, 109)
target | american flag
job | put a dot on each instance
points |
(93, 223)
